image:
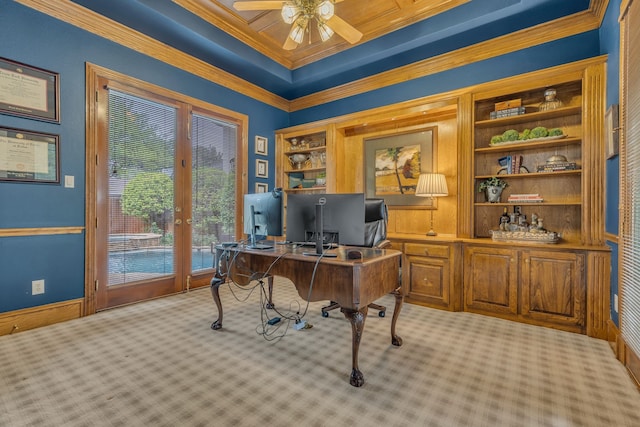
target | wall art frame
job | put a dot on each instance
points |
(28, 91)
(612, 131)
(262, 187)
(393, 163)
(262, 168)
(27, 156)
(262, 145)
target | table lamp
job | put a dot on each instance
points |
(432, 185)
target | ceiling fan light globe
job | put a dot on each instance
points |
(325, 31)
(325, 9)
(290, 12)
(297, 33)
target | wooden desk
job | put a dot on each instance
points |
(352, 283)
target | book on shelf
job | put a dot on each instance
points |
(562, 166)
(510, 103)
(508, 112)
(511, 164)
(525, 198)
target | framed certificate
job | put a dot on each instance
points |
(28, 91)
(28, 156)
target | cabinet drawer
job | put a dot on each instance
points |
(424, 249)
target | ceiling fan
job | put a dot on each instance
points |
(300, 13)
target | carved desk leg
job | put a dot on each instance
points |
(395, 339)
(215, 284)
(357, 318)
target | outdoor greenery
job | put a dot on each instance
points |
(149, 196)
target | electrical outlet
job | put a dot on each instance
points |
(37, 287)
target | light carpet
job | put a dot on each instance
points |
(158, 363)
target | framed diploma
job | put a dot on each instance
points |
(30, 92)
(29, 156)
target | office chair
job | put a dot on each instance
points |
(375, 236)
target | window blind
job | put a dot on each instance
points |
(630, 179)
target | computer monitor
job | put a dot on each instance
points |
(325, 219)
(263, 217)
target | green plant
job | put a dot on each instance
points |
(494, 181)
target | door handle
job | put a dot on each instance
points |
(189, 221)
(178, 221)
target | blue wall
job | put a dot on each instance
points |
(563, 51)
(30, 37)
(610, 44)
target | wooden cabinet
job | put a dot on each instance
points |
(552, 288)
(429, 272)
(559, 185)
(302, 160)
(491, 280)
(529, 285)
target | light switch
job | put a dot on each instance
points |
(69, 181)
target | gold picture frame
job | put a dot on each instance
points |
(393, 164)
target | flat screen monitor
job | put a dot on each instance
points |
(263, 217)
(340, 218)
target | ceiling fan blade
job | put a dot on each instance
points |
(289, 44)
(257, 5)
(345, 30)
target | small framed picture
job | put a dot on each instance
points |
(262, 145)
(262, 187)
(611, 130)
(262, 168)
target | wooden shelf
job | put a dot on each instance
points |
(529, 117)
(521, 146)
(529, 175)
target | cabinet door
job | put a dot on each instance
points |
(490, 280)
(553, 288)
(428, 280)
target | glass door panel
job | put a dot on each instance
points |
(213, 186)
(142, 140)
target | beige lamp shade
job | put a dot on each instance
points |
(432, 185)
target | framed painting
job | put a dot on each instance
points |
(28, 91)
(393, 164)
(29, 156)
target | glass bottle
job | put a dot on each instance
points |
(550, 101)
(504, 218)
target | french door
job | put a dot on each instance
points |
(166, 185)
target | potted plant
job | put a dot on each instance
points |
(492, 188)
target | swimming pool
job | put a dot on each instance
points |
(154, 261)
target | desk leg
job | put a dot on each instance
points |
(395, 339)
(215, 284)
(357, 319)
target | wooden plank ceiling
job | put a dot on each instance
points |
(266, 32)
